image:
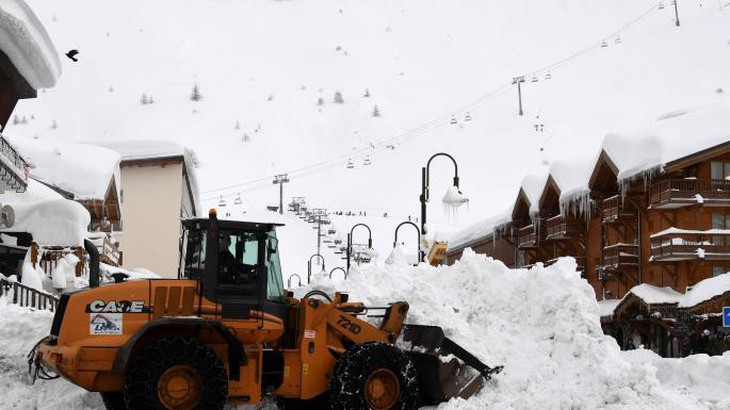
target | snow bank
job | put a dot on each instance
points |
(25, 41)
(20, 329)
(543, 326)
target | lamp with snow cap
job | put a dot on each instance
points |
(453, 196)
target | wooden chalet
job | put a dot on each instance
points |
(655, 212)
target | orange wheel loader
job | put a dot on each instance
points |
(227, 332)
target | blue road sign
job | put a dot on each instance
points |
(726, 316)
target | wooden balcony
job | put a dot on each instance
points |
(681, 245)
(13, 168)
(526, 237)
(677, 193)
(561, 228)
(612, 210)
(621, 255)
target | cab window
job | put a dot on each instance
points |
(193, 243)
(275, 285)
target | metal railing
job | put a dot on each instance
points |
(26, 296)
(688, 189)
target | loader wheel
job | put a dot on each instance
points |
(376, 376)
(176, 373)
(113, 400)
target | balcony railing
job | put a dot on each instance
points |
(526, 237)
(561, 227)
(13, 168)
(26, 296)
(621, 255)
(675, 193)
(613, 209)
(679, 244)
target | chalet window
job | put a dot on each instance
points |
(720, 221)
(720, 270)
(520, 258)
(720, 170)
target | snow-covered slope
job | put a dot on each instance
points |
(262, 66)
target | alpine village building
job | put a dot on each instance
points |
(648, 223)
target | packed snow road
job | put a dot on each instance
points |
(541, 324)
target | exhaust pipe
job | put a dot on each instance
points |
(93, 263)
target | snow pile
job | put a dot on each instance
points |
(20, 329)
(543, 326)
(59, 222)
(24, 40)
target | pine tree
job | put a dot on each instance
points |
(151, 100)
(271, 97)
(367, 93)
(24, 120)
(237, 126)
(376, 111)
(16, 120)
(195, 94)
(54, 125)
(320, 101)
(246, 137)
(338, 98)
(143, 100)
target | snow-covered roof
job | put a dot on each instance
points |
(137, 150)
(706, 290)
(131, 150)
(672, 137)
(57, 222)
(27, 44)
(572, 176)
(81, 169)
(532, 186)
(608, 306)
(478, 230)
(654, 295)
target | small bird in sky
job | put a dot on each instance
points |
(72, 55)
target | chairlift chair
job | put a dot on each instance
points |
(367, 161)
(453, 120)
(350, 165)
(604, 44)
(618, 40)
(222, 202)
(548, 76)
(467, 117)
(534, 78)
(238, 200)
(661, 5)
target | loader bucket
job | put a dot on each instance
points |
(445, 369)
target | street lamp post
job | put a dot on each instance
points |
(418, 231)
(309, 266)
(338, 268)
(425, 192)
(349, 242)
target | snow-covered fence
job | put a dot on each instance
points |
(27, 296)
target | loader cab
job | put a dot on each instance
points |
(236, 264)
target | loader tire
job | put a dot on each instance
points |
(376, 376)
(113, 400)
(177, 373)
